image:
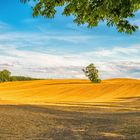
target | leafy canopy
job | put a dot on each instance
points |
(5, 76)
(91, 12)
(92, 73)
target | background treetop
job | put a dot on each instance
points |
(91, 12)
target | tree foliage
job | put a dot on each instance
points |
(5, 76)
(21, 78)
(92, 73)
(91, 12)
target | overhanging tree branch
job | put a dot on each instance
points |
(91, 12)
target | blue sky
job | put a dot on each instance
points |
(57, 48)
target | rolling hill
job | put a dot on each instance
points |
(70, 91)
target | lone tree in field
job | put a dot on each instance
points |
(91, 12)
(92, 73)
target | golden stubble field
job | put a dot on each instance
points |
(68, 91)
(70, 110)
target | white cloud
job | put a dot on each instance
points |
(21, 53)
(116, 62)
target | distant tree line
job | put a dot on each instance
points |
(5, 76)
(90, 71)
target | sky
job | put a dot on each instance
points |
(58, 48)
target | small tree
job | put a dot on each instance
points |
(5, 76)
(92, 73)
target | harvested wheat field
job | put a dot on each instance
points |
(68, 91)
(70, 110)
